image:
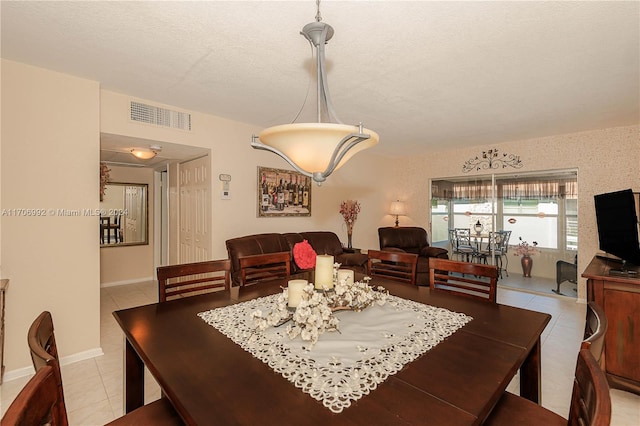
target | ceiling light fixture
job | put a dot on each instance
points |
(146, 153)
(317, 149)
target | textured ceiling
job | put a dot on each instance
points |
(424, 75)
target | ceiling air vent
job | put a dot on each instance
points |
(150, 114)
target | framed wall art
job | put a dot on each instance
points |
(283, 193)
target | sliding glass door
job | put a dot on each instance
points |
(540, 207)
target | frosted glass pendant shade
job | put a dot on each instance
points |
(317, 149)
(311, 145)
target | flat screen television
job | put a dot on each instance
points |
(617, 221)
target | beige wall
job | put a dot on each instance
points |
(50, 155)
(231, 154)
(127, 264)
(606, 160)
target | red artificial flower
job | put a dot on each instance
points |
(304, 255)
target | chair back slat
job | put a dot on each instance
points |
(175, 281)
(393, 265)
(265, 267)
(464, 278)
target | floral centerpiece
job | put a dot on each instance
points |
(349, 210)
(314, 314)
(525, 249)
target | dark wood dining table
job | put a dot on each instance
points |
(211, 380)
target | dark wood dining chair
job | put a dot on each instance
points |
(464, 278)
(590, 401)
(38, 403)
(44, 353)
(595, 329)
(188, 279)
(393, 265)
(264, 267)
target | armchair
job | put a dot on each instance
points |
(566, 271)
(411, 239)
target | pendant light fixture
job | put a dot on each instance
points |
(317, 149)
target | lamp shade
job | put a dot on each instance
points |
(397, 208)
(143, 153)
(311, 145)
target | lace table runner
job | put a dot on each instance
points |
(346, 365)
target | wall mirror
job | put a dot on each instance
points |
(124, 217)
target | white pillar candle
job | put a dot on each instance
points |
(296, 289)
(324, 272)
(347, 275)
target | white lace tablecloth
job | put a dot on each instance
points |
(346, 365)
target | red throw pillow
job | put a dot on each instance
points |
(304, 255)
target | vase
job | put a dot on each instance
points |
(527, 264)
(349, 234)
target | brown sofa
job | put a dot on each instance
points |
(323, 242)
(411, 239)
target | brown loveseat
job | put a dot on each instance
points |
(411, 239)
(323, 242)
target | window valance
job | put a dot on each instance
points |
(522, 188)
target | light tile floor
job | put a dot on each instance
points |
(93, 388)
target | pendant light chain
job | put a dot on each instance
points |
(318, 16)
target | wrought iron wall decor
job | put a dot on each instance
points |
(491, 159)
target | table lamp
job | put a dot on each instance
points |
(478, 227)
(397, 209)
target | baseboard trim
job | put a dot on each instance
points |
(125, 282)
(69, 359)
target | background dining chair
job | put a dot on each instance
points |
(595, 329)
(497, 246)
(590, 401)
(188, 279)
(461, 246)
(265, 267)
(44, 353)
(393, 265)
(501, 250)
(463, 278)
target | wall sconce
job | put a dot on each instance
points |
(397, 209)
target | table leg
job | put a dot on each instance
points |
(133, 379)
(531, 375)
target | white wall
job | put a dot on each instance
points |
(607, 160)
(50, 155)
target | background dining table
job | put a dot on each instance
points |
(209, 379)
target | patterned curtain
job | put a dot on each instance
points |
(521, 188)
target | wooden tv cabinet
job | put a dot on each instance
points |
(619, 295)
